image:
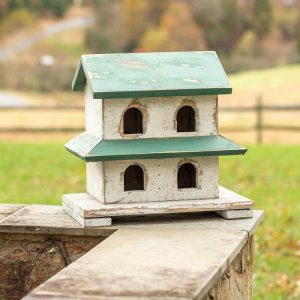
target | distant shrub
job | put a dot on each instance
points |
(57, 7)
(40, 7)
(287, 22)
(238, 62)
(298, 45)
(19, 18)
(263, 17)
(248, 43)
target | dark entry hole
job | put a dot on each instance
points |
(134, 178)
(186, 176)
(186, 119)
(133, 121)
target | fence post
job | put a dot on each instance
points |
(259, 120)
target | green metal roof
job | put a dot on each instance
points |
(156, 74)
(91, 148)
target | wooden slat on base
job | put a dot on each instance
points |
(94, 222)
(235, 214)
(83, 207)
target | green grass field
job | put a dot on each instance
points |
(40, 173)
(278, 85)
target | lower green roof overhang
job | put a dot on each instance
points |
(92, 149)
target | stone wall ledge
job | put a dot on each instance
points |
(194, 256)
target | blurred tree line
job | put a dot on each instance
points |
(245, 33)
(16, 14)
(40, 7)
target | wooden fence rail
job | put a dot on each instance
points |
(42, 107)
(258, 109)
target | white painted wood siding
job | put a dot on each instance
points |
(93, 114)
(160, 180)
(160, 116)
(95, 180)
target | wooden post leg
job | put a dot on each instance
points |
(259, 120)
(235, 214)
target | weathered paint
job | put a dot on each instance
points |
(158, 84)
(126, 75)
(94, 222)
(159, 116)
(236, 214)
(133, 104)
(125, 149)
(88, 207)
(82, 144)
(161, 180)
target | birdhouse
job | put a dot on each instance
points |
(151, 142)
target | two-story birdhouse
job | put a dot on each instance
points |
(151, 144)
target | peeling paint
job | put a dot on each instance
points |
(190, 80)
(135, 103)
(134, 64)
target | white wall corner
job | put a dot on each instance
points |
(95, 180)
(93, 113)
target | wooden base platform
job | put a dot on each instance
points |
(89, 212)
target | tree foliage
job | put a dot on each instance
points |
(40, 7)
(19, 18)
(262, 16)
(232, 28)
(177, 31)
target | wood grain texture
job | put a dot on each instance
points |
(236, 214)
(87, 207)
(95, 222)
(8, 209)
(40, 219)
(184, 261)
(46, 219)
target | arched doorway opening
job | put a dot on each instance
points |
(186, 176)
(133, 121)
(134, 178)
(185, 119)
